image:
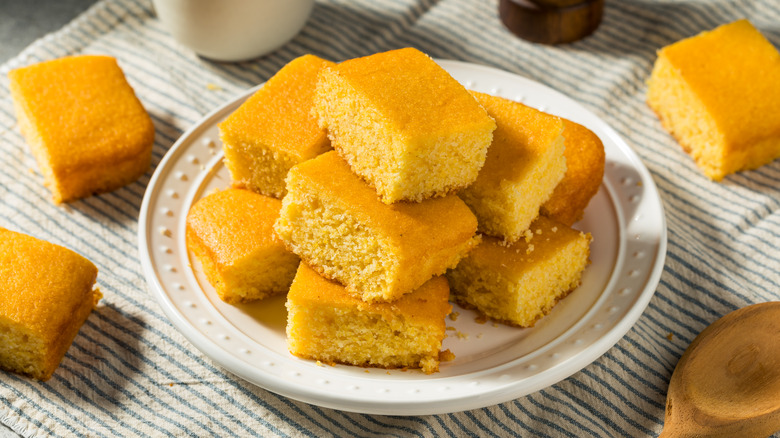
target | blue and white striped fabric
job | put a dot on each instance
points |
(129, 372)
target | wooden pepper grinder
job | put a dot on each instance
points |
(551, 21)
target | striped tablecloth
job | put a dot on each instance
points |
(129, 372)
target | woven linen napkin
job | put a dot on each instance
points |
(130, 373)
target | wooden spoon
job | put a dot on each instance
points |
(727, 383)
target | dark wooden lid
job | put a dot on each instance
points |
(551, 21)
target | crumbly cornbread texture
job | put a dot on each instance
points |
(403, 124)
(718, 94)
(524, 164)
(85, 126)
(336, 223)
(274, 129)
(46, 293)
(520, 283)
(584, 171)
(326, 323)
(231, 233)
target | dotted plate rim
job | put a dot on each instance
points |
(493, 363)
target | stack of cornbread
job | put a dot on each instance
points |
(430, 193)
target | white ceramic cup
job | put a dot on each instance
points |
(233, 30)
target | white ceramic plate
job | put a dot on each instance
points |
(494, 363)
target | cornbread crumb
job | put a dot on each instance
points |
(446, 356)
(524, 164)
(718, 94)
(231, 233)
(518, 289)
(85, 126)
(46, 293)
(335, 223)
(274, 129)
(403, 124)
(325, 323)
(454, 316)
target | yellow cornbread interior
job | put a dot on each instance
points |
(335, 222)
(84, 124)
(274, 129)
(403, 124)
(520, 283)
(46, 294)
(524, 164)
(231, 233)
(718, 94)
(584, 171)
(328, 324)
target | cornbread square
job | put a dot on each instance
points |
(46, 293)
(334, 221)
(584, 171)
(274, 129)
(403, 124)
(520, 283)
(85, 126)
(718, 94)
(326, 323)
(525, 163)
(231, 233)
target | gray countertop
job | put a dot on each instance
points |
(21, 23)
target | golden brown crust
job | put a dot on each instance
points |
(231, 233)
(466, 305)
(46, 293)
(585, 160)
(336, 223)
(714, 93)
(327, 324)
(274, 129)
(404, 124)
(525, 162)
(85, 126)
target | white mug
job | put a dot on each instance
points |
(233, 30)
